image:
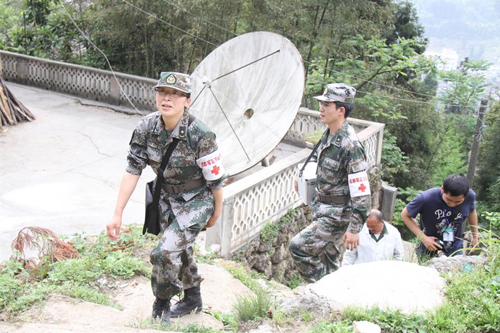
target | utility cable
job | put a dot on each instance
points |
(308, 62)
(105, 57)
(169, 24)
(201, 18)
(372, 81)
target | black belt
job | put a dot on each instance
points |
(175, 189)
(333, 199)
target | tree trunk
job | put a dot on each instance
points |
(315, 33)
(475, 143)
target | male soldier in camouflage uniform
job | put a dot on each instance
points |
(341, 203)
(191, 196)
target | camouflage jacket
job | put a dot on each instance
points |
(148, 145)
(340, 156)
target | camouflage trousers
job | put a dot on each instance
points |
(174, 267)
(316, 250)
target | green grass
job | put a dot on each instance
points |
(329, 327)
(21, 288)
(190, 328)
(253, 308)
(248, 279)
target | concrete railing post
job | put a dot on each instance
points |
(22, 70)
(226, 225)
(114, 90)
(388, 203)
(380, 144)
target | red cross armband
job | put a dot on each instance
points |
(359, 184)
(211, 165)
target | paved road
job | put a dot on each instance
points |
(63, 170)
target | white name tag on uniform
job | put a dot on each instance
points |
(359, 184)
(211, 165)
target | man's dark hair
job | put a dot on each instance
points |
(456, 185)
(347, 106)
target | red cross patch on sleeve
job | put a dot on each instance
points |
(211, 165)
(359, 184)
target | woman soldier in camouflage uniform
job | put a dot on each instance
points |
(191, 196)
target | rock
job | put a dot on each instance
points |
(279, 255)
(365, 327)
(254, 245)
(278, 271)
(306, 300)
(263, 264)
(251, 260)
(265, 246)
(410, 255)
(455, 264)
(264, 328)
(282, 238)
(393, 285)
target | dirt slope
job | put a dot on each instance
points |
(64, 314)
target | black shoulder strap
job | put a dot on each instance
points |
(159, 174)
(164, 162)
(312, 153)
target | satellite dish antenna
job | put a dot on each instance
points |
(248, 91)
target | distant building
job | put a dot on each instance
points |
(449, 59)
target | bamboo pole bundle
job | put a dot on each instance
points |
(12, 111)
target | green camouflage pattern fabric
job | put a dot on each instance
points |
(179, 81)
(338, 92)
(174, 267)
(316, 250)
(184, 214)
(148, 146)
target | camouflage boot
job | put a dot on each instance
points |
(190, 303)
(161, 310)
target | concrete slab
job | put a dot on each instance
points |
(63, 170)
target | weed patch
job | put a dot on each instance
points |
(329, 327)
(99, 259)
(252, 308)
(248, 279)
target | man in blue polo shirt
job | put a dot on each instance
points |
(442, 212)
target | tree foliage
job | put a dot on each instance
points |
(374, 45)
(488, 180)
(464, 86)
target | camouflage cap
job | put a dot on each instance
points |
(338, 92)
(179, 81)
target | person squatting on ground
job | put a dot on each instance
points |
(191, 196)
(378, 240)
(442, 213)
(342, 190)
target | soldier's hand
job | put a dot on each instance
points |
(296, 184)
(351, 240)
(213, 219)
(113, 227)
(430, 244)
